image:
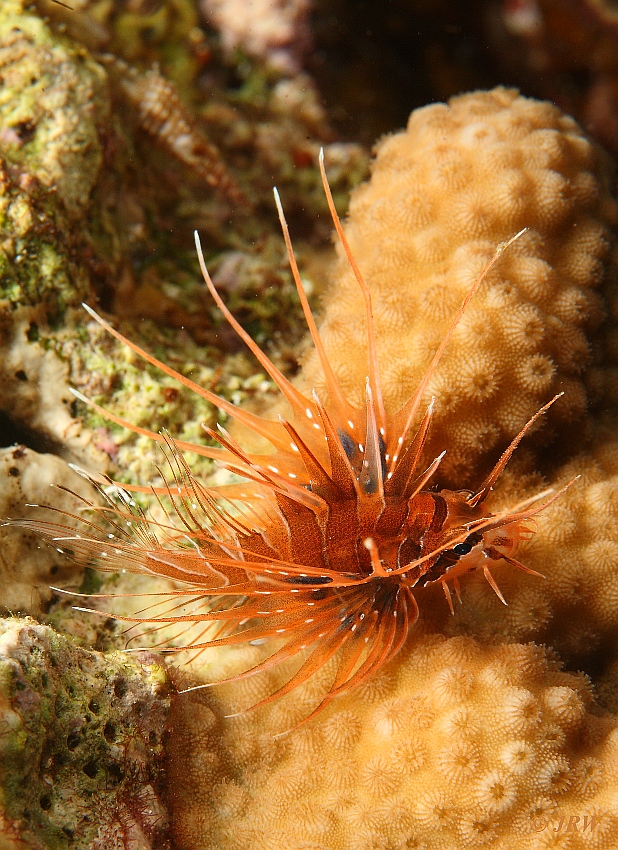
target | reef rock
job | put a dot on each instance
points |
(27, 565)
(80, 744)
(275, 31)
(53, 108)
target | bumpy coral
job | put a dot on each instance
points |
(462, 179)
(575, 607)
(456, 745)
(80, 744)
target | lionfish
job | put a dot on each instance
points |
(328, 541)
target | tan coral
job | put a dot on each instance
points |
(443, 194)
(467, 746)
(575, 607)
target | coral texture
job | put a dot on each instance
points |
(575, 607)
(461, 179)
(80, 735)
(455, 745)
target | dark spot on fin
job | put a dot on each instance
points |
(347, 443)
(347, 623)
(309, 580)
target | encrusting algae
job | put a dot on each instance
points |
(456, 743)
(86, 212)
(78, 726)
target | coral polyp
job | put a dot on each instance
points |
(328, 542)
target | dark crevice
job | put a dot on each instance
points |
(375, 62)
(12, 432)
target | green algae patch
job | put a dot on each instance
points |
(53, 108)
(80, 741)
(110, 374)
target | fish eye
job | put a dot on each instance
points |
(462, 548)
